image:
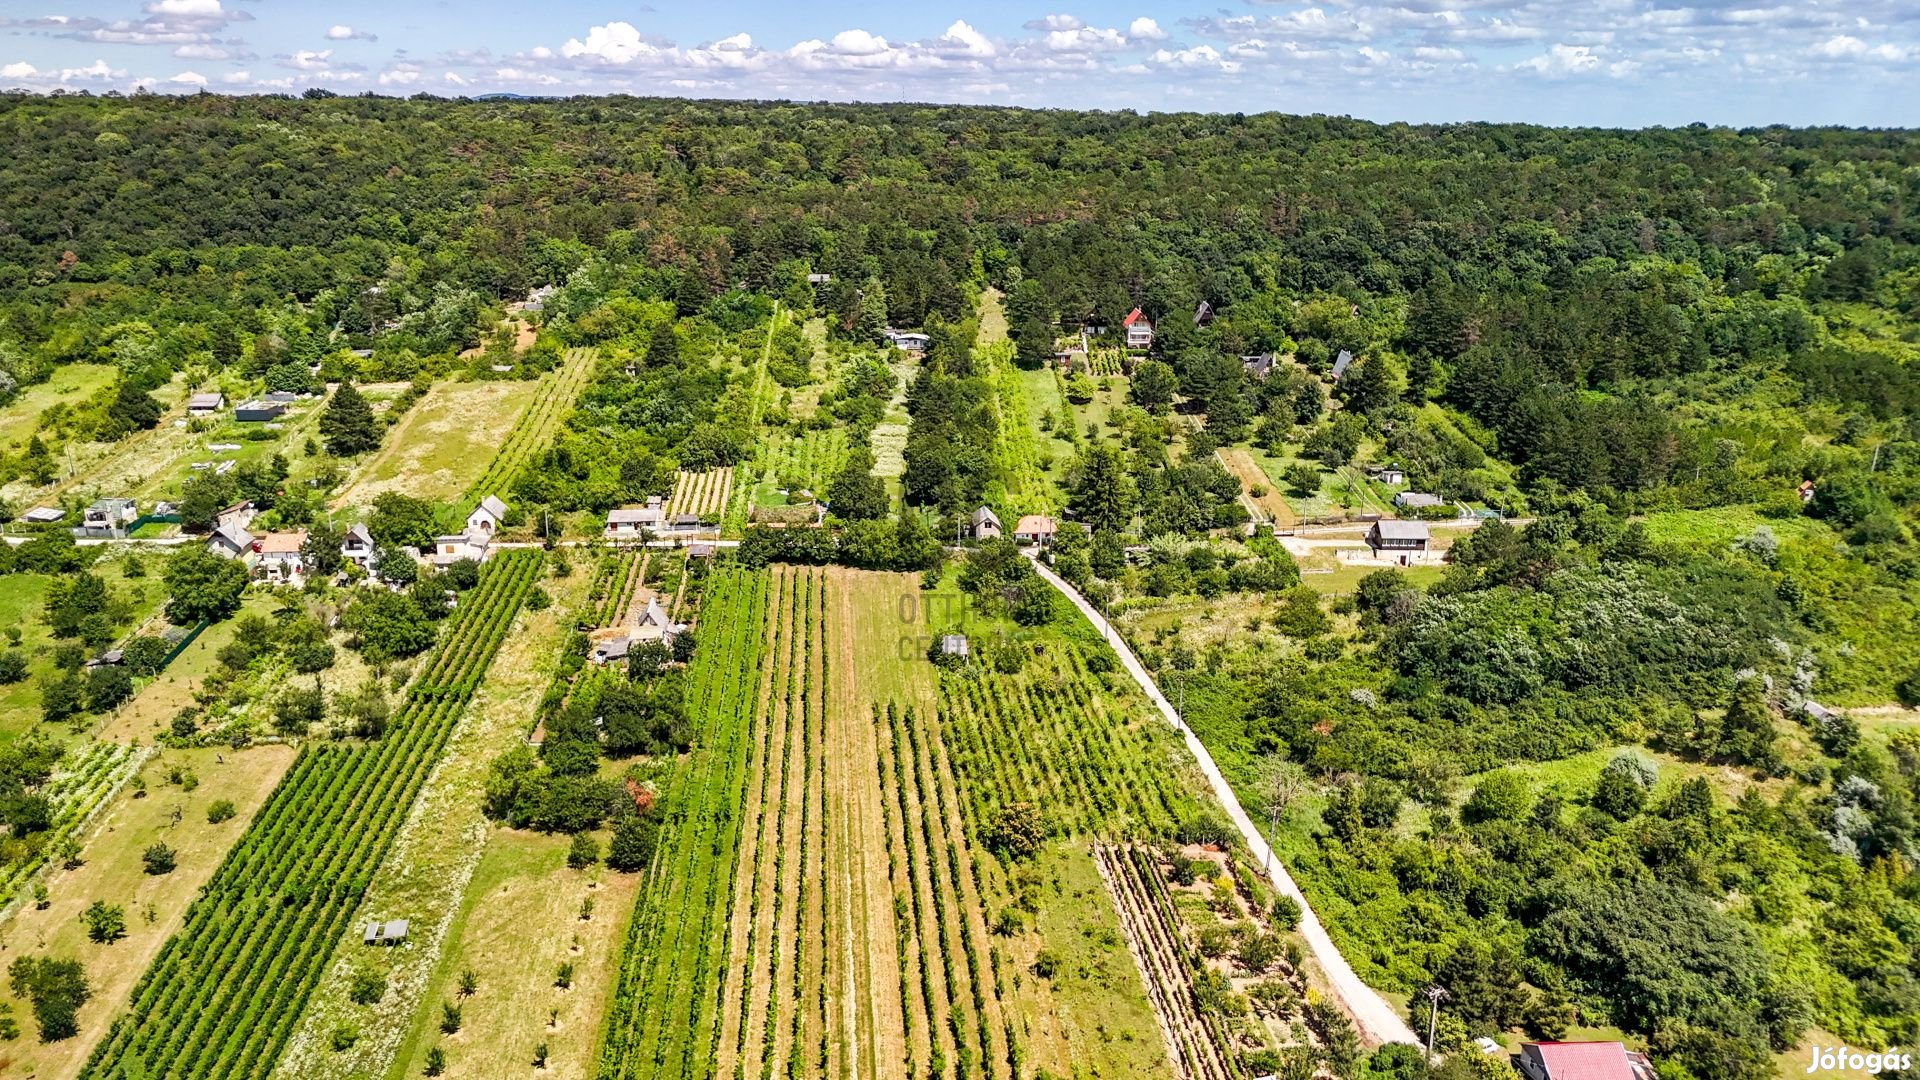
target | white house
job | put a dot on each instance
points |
(278, 558)
(1392, 476)
(357, 547)
(1035, 529)
(1139, 330)
(487, 516)
(983, 524)
(108, 517)
(655, 625)
(629, 521)
(231, 542)
(468, 545)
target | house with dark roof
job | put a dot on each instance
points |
(1581, 1061)
(206, 404)
(1203, 314)
(258, 411)
(1400, 541)
(1259, 366)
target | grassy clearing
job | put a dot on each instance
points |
(1258, 491)
(111, 870)
(1722, 525)
(443, 444)
(554, 396)
(519, 921)
(69, 383)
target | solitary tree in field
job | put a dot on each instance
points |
(348, 425)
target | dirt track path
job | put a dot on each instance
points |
(1378, 1021)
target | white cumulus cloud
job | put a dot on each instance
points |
(1145, 29)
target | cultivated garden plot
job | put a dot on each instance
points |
(830, 895)
(703, 493)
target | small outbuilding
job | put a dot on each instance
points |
(206, 404)
(258, 411)
(628, 522)
(610, 650)
(953, 645)
(393, 932)
(1417, 500)
(1341, 363)
(43, 515)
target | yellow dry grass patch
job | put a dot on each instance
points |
(443, 444)
(112, 871)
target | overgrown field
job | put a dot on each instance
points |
(224, 993)
(554, 394)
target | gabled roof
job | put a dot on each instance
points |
(1135, 316)
(493, 506)
(1341, 363)
(1203, 313)
(234, 535)
(655, 615)
(1036, 523)
(1581, 1060)
(1417, 498)
(983, 516)
(358, 535)
(634, 515)
(238, 507)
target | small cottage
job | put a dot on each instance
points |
(1035, 529)
(628, 522)
(357, 547)
(488, 516)
(983, 524)
(231, 542)
(108, 518)
(1341, 363)
(1399, 541)
(278, 557)
(1139, 330)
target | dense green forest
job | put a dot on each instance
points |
(1689, 358)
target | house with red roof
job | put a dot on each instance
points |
(1139, 330)
(1582, 1061)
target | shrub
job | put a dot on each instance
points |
(449, 1018)
(436, 1062)
(158, 859)
(220, 810)
(343, 1037)
(367, 986)
(583, 852)
(1286, 913)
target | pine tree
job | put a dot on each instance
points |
(348, 424)
(872, 321)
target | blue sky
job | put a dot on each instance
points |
(1608, 62)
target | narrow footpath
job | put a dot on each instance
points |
(1378, 1021)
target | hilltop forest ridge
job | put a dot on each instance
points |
(549, 585)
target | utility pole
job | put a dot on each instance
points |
(1435, 995)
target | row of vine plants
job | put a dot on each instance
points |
(223, 995)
